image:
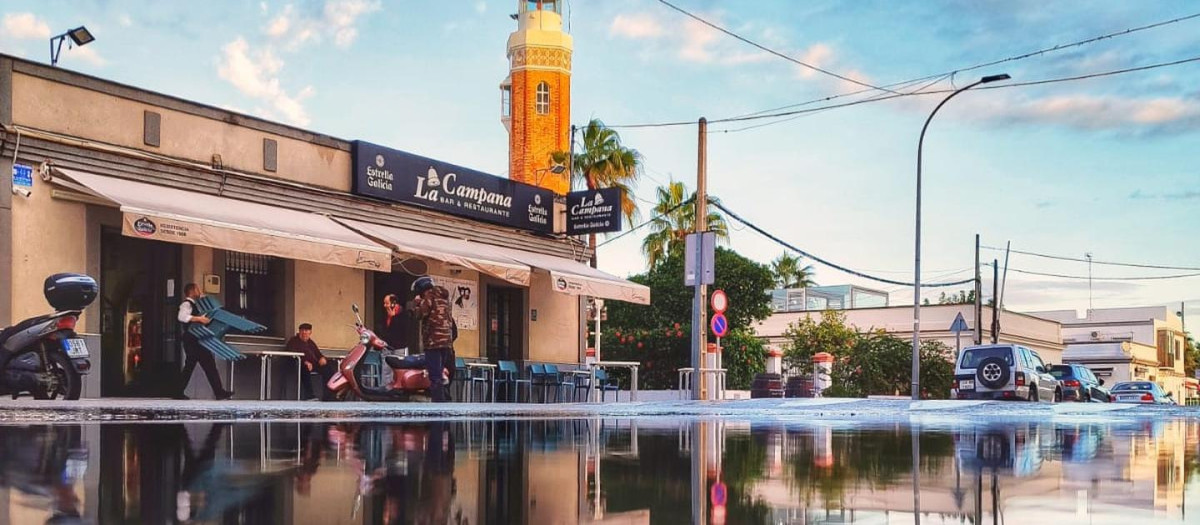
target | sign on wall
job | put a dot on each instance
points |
(22, 176)
(464, 297)
(398, 176)
(594, 211)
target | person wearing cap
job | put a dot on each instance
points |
(431, 305)
(313, 360)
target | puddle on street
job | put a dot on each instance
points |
(601, 471)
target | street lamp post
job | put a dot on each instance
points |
(80, 36)
(916, 349)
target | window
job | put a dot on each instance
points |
(506, 101)
(1166, 354)
(253, 290)
(542, 104)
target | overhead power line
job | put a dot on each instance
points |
(830, 264)
(1106, 263)
(1030, 54)
(771, 51)
(1086, 278)
(650, 220)
(935, 92)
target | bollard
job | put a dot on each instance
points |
(822, 366)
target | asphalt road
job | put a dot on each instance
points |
(862, 410)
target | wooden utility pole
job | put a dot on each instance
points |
(978, 296)
(699, 317)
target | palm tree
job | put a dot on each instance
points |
(605, 163)
(790, 274)
(673, 221)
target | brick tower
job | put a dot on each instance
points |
(536, 96)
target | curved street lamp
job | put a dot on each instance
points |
(80, 36)
(916, 350)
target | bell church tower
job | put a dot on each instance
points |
(536, 96)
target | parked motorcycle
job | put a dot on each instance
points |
(42, 355)
(409, 381)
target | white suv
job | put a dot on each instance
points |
(1003, 371)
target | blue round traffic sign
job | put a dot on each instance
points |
(719, 325)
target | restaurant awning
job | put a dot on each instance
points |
(475, 256)
(575, 278)
(510, 264)
(187, 217)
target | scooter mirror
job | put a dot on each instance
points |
(354, 307)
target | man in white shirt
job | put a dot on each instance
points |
(195, 352)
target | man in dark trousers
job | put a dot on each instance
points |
(431, 304)
(314, 360)
(195, 352)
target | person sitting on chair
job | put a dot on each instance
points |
(313, 361)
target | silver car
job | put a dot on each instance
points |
(1142, 392)
(1003, 371)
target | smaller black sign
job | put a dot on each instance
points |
(145, 226)
(594, 211)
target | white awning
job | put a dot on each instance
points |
(575, 278)
(475, 256)
(510, 264)
(187, 217)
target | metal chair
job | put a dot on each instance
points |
(510, 377)
(461, 377)
(555, 379)
(538, 378)
(607, 384)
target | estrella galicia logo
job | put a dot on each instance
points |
(379, 161)
(561, 284)
(145, 227)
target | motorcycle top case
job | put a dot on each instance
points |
(70, 291)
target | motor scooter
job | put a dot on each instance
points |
(409, 380)
(43, 355)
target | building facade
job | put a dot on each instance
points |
(820, 298)
(1127, 344)
(148, 192)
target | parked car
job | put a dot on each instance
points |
(1078, 383)
(1142, 392)
(1003, 371)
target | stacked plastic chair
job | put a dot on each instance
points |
(212, 335)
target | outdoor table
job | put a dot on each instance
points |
(490, 370)
(264, 381)
(631, 365)
(685, 380)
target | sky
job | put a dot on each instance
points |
(1106, 166)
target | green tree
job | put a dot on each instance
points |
(673, 221)
(604, 162)
(790, 272)
(960, 297)
(659, 334)
(1191, 356)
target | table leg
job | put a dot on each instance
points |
(299, 368)
(592, 385)
(262, 378)
(492, 373)
(634, 388)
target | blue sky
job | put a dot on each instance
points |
(1106, 166)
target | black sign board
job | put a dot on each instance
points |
(594, 211)
(397, 176)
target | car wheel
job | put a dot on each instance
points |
(1057, 396)
(1033, 394)
(993, 373)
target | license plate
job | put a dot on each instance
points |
(1137, 397)
(966, 384)
(75, 348)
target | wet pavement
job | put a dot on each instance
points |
(862, 410)
(770, 463)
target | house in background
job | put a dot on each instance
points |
(1127, 344)
(820, 298)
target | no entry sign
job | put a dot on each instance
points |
(719, 325)
(719, 301)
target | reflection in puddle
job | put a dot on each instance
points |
(598, 471)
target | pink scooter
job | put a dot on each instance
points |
(409, 380)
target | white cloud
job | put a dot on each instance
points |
(817, 55)
(1096, 112)
(636, 26)
(481, 7)
(87, 54)
(338, 20)
(25, 26)
(256, 74)
(125, 21)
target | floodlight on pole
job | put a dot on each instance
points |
(80, 36)
(916, 338)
